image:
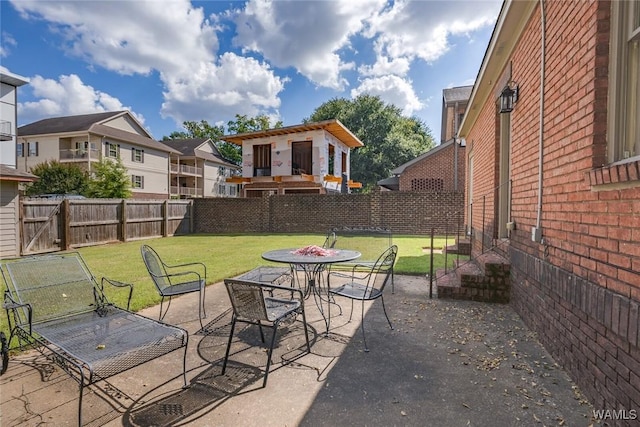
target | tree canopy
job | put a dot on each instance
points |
(109, 180)
(390, 139)
(241, 124)
(58, 178)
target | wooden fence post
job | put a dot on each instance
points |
(191, 215)
(123, 220)
(66, 225)
(165, 218)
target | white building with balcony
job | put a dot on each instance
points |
(199, 170)
(89, 138)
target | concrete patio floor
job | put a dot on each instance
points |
(453, 363)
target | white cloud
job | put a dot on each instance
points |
(393, 90)
(305, 35)
(129, 37)
(421, 29)
(236, 85)
(384, 66)
(6, 44)
(170, 37)
(67, 96)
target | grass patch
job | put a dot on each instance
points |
(228, 255)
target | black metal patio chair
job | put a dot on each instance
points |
(263, 304)
(174, 280)
(367, 286)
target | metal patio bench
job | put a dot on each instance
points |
(56, 305)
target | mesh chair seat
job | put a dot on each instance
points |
(358, 291)
(183, 288)
(253, 303)
(278, 308)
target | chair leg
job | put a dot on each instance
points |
(364, 338)
(161, 316)
(201, 312)
(385, 312)
(273, 341)
(261, 332)
(306, 333)
(81, 386)
(226, 355)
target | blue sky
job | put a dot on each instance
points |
(168, 61)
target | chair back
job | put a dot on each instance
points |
(54, 285)
(382, 269)
(330, 241)
(247, 299)
(155, 267)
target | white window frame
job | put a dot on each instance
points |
(624, 89)
(137, 181)
(137, 155)
(113, 150)
(20, 149)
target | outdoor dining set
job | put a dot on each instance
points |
(56, 304)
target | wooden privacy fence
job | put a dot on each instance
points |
(55, 225)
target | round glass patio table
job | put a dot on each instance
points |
(313, 266)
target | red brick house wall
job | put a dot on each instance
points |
(422, 175)
(579, 288)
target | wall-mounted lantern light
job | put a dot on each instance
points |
(508, 97)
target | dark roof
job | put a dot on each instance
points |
(123, 135)
(457, 94)
(392, 183)
(7, 173)
(66, 123)
(186, 147)
(189, 147)
(400, 169)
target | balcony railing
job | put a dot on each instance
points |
(80, 154)
(186, 191)
(5, 130)
(185, 169)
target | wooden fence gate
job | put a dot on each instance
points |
(56, 225)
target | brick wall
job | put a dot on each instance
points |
(421, 175)
(402, 212)
(580, 287)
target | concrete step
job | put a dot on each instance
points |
(486, 278)
(461, 247)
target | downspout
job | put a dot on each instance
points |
(536, 233)
(455, 147)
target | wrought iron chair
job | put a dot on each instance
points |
(368, 286)
(174, 280)
(256, 303)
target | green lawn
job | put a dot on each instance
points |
(228, 255)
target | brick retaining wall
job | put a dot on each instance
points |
(402, 212)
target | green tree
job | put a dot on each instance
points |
(110, 180)
(242, 124)
(58, 178)
(390, 139)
